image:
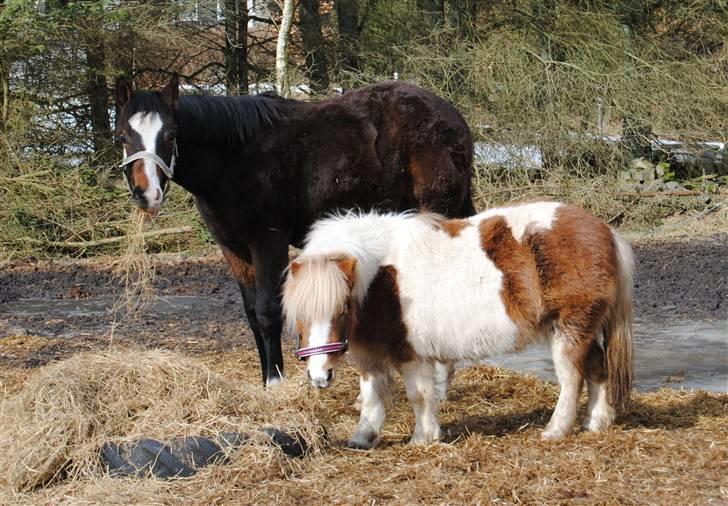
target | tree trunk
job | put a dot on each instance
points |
(347, 13)
(317, 69)
(432, 12)
(462, 16)
(282, 84)
(98, 97)
(236, 47)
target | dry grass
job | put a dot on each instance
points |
(669, 447)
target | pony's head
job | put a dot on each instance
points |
(146, 128)
(317, 304)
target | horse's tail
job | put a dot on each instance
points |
(618, 330)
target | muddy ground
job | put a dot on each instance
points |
(674, 280)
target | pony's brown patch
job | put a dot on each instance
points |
(520, 291)
(377, 333)
(454, 227)
(578, 279)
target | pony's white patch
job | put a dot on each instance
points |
(148, 126)
(317, 366)
(533, 216)
(419, 381)
(463, 316)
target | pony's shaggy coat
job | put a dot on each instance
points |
(427, 289)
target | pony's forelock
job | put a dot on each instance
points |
(315, 289)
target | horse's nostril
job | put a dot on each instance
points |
(308, 373)
(329, 375)
(158, 196)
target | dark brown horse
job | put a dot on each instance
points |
(262, 169)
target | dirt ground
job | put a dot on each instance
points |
(668, 446)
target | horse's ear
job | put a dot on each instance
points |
(171, 91)
(295, 267)
(347, 266)
(123, 91)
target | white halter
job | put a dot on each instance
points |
(167, 169)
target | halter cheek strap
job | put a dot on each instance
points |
(324, 349)
(167, 169)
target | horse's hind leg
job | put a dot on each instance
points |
(373, 392)
(566, 355)
(600, 414)
(419, 380)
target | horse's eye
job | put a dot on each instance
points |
(121, 138)
(170, 134)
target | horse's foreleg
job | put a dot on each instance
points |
(419, 379)
(244, 273)
(564, 352)
(270, 257)
(373, 392)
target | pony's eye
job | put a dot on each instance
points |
(121, 138)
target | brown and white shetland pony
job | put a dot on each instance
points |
(410, 290)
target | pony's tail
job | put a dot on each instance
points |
(618, 331)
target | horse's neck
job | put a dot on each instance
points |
(200, 172)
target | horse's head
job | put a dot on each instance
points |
(317, 303)
(146, 128)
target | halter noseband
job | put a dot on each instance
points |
(324, 349)
(167, 169)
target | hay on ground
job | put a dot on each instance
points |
(53, 429)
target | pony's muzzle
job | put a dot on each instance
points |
(321, 380)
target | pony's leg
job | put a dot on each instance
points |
(388, 381)
(373, 392)
(563, 351)
(419, 380)
(600, 414)
(270, 257)
(443, 375)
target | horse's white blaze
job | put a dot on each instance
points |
(148, 127)
(317, 366)
(474, 323)
(534, 216)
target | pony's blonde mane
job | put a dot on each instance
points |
(316, 291)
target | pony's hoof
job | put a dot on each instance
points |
(424, 440)
(597, 424)
(552, 435)
(362, 442)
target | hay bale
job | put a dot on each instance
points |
(55, 426)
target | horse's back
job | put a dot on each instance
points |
(390, 146)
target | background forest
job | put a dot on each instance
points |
(584, 100)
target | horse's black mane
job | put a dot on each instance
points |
(216, 119)
(225, 119)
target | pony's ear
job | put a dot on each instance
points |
(348, 267)
(123, 91)
(171, 91)
(295, 267)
